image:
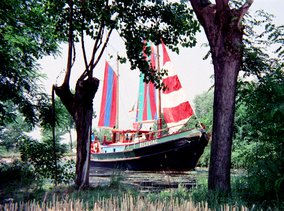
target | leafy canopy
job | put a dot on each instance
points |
(135, 22)
(26, 35)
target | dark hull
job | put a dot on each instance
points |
(176, 155)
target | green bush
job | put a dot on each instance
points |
(41, 156)
(205, 157)
(265, 173)
(260, 135)
(18, 181)
(16, 171)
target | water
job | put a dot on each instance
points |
(146, 181)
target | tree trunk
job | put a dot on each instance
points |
(226, 50)
(71, 141)
(224, 33)
(226, 72)
(80, 106)
(83, 119)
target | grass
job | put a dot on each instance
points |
(118, 196)
(126, 202)
(23, 191)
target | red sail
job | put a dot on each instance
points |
(109, 102)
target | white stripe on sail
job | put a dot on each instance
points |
(173, 99)
(175, 126)
(170, 69)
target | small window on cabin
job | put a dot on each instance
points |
(116, 137)
(121, 137)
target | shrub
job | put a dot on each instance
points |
(41, 156)
(16, 171)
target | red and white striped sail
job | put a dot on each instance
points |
(175, 106)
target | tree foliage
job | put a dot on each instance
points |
(135, 22)
(203, 107)
(203, 104)
(63, 120)
(262, 127)
(40, 155)
(45, 158)
(13, 133)
(26, 35)
(259, 120)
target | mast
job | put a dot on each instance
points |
(159, 94)
(117, 92)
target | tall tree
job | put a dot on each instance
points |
(222, 24)
(135, 21)
(26, 35)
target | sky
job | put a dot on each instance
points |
(194, 73)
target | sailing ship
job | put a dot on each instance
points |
(149, 150)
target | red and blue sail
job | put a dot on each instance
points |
(146, 107)
(108, 112)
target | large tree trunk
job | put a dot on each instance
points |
(224, 33)
(226, 50)
(226, 71)
(80, 107)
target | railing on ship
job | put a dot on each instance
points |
(142, 135)
(164, 132)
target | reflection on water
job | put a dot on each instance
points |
(146, 180)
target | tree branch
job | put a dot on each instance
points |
(102, 50)
(88, 69)
(199, 3)
(70, 46)
(74, 54)
(66, 97)
(98, 39)
(84, 50)
(204, 10)
(82, 36)
(92, 66)
(222, 5)
(243, 10)
(95, 48)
